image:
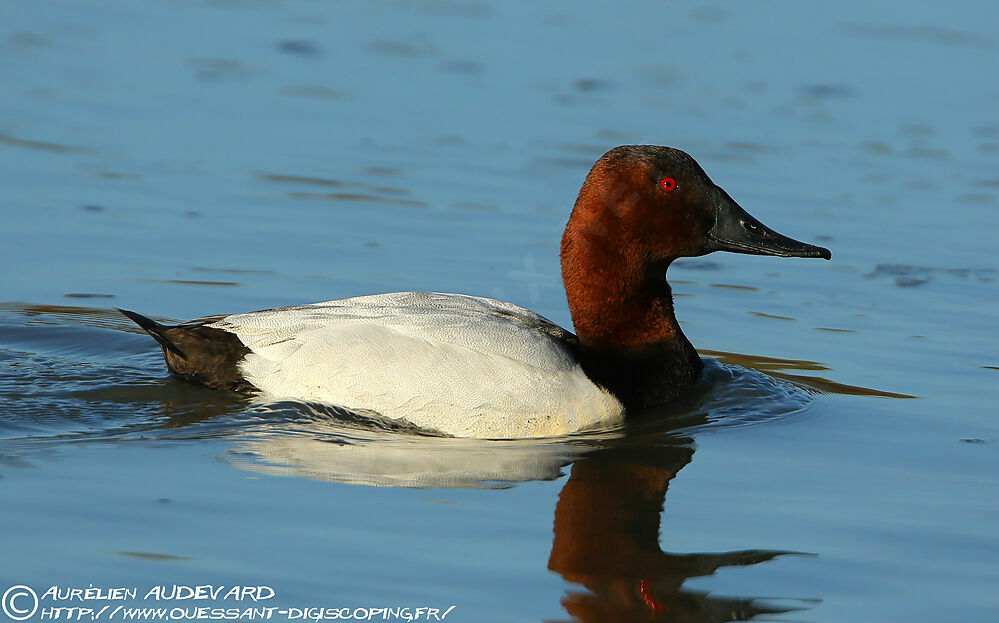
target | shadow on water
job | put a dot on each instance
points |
(75, 374)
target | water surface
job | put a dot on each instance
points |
(838, 462)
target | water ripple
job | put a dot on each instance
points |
(74, 374)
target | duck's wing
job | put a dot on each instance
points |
(471, 321)
(464, 365)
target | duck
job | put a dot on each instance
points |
(470, 366)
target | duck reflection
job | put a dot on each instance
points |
(607, 541)
(606, 528)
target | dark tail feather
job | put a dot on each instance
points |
(199, 353)
(154, 329)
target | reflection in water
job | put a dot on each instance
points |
(357, 453)
(607, 541)
(20, 314)
(606, 526)
(778, 368)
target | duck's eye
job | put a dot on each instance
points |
(668, 184)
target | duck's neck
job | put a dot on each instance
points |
(622, 311)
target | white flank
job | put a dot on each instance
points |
(463, 365)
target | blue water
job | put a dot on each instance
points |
(838, 463)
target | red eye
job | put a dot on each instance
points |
(667, 184)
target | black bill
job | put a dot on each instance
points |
(737, 231)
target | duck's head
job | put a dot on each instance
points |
(654, 204)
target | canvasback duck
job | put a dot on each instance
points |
(470, 366)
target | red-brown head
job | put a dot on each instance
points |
(641, 207)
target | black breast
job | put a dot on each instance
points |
(644, 377)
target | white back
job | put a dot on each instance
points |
(464, 365)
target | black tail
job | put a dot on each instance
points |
(199, 353)
(154, 329)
